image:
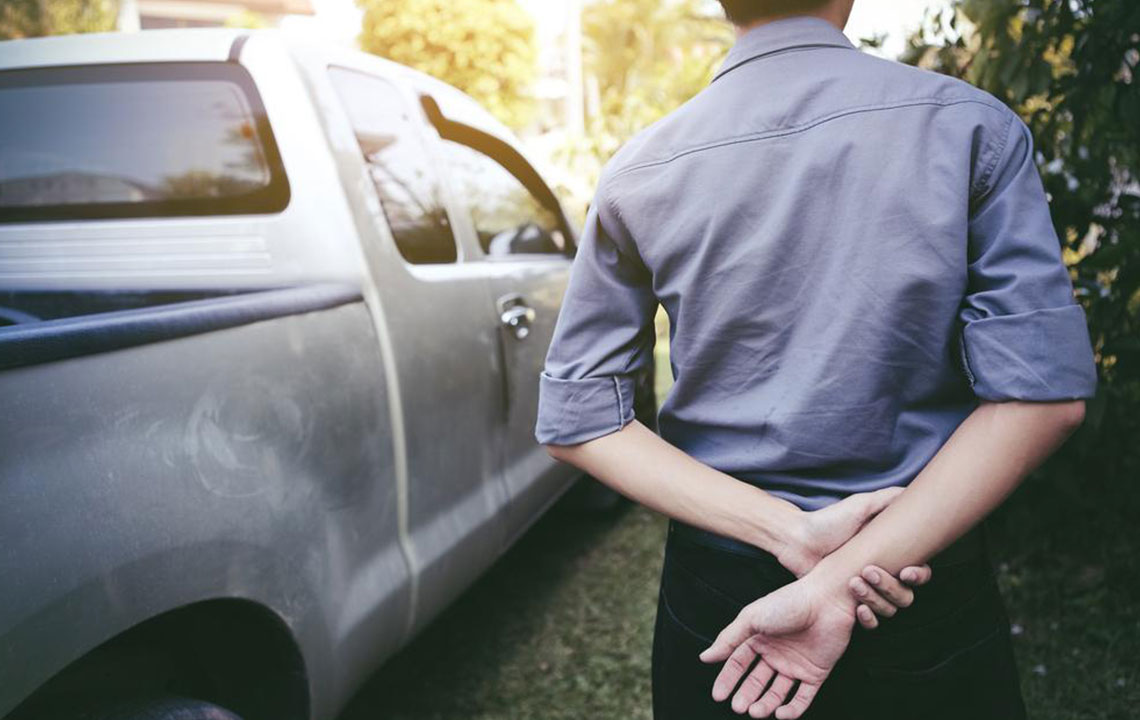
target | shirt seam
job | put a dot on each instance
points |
(964, 356)
(993, 163)
(795, 129)
(779, 51)
(603, 197)
(607, 198)
(621, 409)
(609, 201)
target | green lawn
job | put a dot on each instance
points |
(562, 626)
(1066, 549)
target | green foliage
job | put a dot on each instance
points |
(33, 18)
(247, 19)
(1069, 68)
(484, 47)
(648, 58)
(642, 59)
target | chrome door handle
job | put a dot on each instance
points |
(515, 314)
(518, 318)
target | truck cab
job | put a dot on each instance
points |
(272, 315)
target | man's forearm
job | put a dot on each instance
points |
(984, 460)
(638, 463)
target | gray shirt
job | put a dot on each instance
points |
(851, 252)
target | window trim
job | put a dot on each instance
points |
(274, 197)
(511, 160)
(329, 70)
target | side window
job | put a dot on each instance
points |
(397, 160)
(509, 219)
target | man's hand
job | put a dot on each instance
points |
(799, 632)
(639, 464)
(879, 593)
(822, 531)
(818, 533)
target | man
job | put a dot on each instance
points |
(866, 294)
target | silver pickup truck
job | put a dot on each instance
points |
(272, 315)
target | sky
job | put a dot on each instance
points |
(339, 20)
(897, 18)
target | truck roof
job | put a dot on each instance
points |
(168, 44)
(197, 44)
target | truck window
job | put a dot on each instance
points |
(508, 218)
(135, 140)
(397, 159)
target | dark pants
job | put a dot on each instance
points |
(948, 655)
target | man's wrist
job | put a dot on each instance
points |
(778, 528)
(830, 581)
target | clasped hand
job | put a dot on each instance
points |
(800, 631)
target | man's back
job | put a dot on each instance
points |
(851, 252)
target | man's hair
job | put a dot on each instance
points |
(743, 12)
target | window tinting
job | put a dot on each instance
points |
(135, 141)
(397, 161)
(509, 220)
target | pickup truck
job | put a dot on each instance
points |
(272, 315)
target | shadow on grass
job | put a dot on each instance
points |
(560, 627)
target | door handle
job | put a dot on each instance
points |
(518, 319)
(516, 315)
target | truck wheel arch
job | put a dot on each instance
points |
(236, 653)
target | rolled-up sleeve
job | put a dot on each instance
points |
(602, 338)
(1022, 335)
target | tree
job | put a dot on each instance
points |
(641, 60)
(33, 18)
(1068, 67)
(484, 47)
(647, 58)
(246, 19)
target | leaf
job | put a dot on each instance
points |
(486, 48)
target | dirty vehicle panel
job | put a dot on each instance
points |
(271, 320)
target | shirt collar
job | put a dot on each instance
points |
(798, 31)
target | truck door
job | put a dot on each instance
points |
(521, 235)
(444, 344)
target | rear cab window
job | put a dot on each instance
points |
(130, 140)
(141, 140)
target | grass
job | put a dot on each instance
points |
(562, 626)
(1065, 546)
